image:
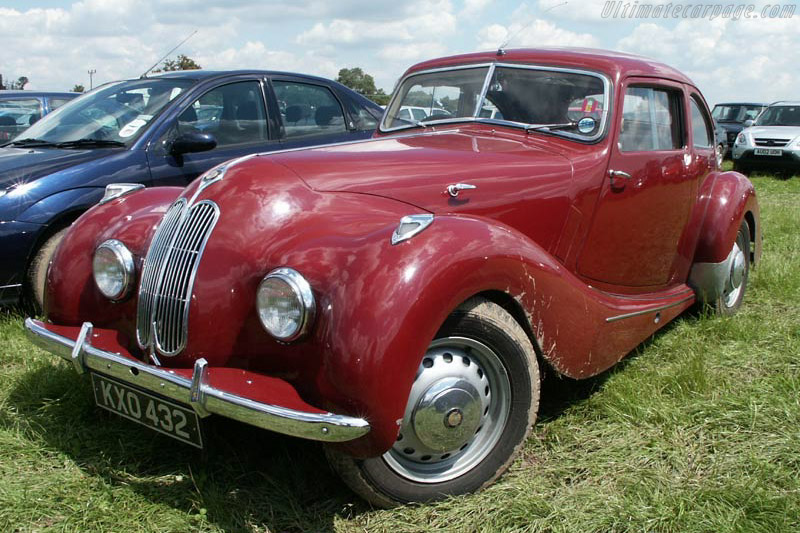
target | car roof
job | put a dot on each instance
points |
(742, 103)
(200, 74)
(15, 94)
(614, 64)
(785, 102)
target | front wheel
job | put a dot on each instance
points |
(472, 404)
(37, 272)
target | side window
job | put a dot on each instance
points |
(308, 110)
(701, 129)
(651, 120)
(55, 103)
(233, 113)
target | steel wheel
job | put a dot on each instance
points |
(738, 272)
(456, 412)
(472, 403)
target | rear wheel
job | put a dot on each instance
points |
(37, 272)
(473, 402)
(736, 283)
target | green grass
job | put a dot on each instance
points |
(697, 431)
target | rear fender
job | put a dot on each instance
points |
(729, 199)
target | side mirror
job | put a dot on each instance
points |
(748, 123)
(193, 142)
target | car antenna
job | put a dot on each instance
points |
(501, 50)
(146, 72)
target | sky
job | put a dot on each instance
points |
(54, 43)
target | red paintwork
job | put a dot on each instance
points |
(543, 228)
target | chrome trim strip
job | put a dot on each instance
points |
(14, 286)
(328, 427)
(650, 310)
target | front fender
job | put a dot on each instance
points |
(389, 302)
(52, 207)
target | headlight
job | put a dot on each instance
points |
(741, 139)
(113, 269)
(285, 304)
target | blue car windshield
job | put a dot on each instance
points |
(116, 113)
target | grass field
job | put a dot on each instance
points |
(698, 430)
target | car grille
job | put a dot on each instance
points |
(168, 275)
(771, 142)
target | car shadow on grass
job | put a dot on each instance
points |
(245, 479)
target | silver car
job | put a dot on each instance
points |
(772, 140)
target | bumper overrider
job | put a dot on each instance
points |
(271, 403)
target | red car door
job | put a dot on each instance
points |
(645, 201)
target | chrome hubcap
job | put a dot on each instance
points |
(736, 275)
(456, 412)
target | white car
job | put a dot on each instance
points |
(772, 140)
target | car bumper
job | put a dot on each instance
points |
(789, 158)
(262, 401)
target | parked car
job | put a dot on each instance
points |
(732, 116)
(161, 130)
(771, 141)
(20, 109)
(398, 298)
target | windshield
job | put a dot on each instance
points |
(558, 101)
(115, 113)
(735, 113)
(782, 115)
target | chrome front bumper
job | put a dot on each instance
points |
(194, 390)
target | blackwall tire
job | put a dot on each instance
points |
(474, 400)
(37, 272)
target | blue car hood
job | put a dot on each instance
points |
(21, 165)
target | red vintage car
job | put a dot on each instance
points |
(398, 298)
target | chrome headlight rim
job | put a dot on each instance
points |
(302, 291)
(124, 258)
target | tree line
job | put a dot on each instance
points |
(355, 78)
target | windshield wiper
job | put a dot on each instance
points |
(550, 127)
(81, 143)
(30, 142)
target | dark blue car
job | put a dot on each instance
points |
(160, 130)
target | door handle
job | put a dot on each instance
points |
(455, 188)
(621, 174)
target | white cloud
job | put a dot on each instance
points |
(728, 60)
(539, 32)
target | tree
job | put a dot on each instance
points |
(19, 85)
(78, 88)
(183, 62)
(362, 83)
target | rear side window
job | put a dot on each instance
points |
(651, 120)
(55, 103)
(701, 128)
(308, 110)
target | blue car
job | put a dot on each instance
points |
(20, 109)
(159, 130)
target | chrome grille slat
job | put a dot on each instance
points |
(769, 141)
(168, 275)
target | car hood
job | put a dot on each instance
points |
(774, 132)
(21, 165)
(417, 169)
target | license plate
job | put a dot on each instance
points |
(156, 413)
(768, 151)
